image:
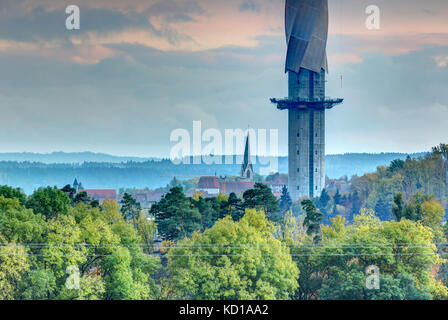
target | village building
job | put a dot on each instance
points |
(208, 186)
(102, 194)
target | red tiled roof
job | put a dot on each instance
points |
(102, 193)
(237, 187)
(208, 183)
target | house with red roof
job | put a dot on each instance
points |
(208, 185)
(102, 194)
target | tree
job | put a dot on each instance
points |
(356, 203)
(337, 197)
(70, 191)
(233, 260)
(396, 165)
(146, 231)
(232, 207)
(20, 224)
(285, 200)
(312, 220)
(261, 197)
(405, 268)
(413, 209)
(91, 287)
(121, 282)
(382, 209)
(49, 202)
(324, 199)
(83, 197)
(398, 207)
(61, 249)
(175, 216)
(442, 150)
(351, 285)
(207, 211)
(38, 284)
(433, 213)
(130, 208)
(111, 210)
(13, 193)
(14, 265)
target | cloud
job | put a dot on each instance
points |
(140, 69)
(391, 103)
(249, 5)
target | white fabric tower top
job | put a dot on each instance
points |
(306, 24)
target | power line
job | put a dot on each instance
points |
(231, 255)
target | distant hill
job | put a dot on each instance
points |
(101, 171)
(68, 157)
(350, 164)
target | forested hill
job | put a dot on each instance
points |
(67, 157)
(100, 171)
(350, 164)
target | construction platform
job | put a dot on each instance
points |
(318, 104)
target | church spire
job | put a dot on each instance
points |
(247, 170)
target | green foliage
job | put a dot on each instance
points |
(398, 207)
(13, 193)
(227, 248)
(14, 265)
(130, 208)
(208, 210)
(426, 176)
(261, 198)
(324, 201)
(49, 202)
(70, 191)
(312, 220)
(214, 265)
(351, 285)
(232, 207)
(403, 251)
(35, 253)
(20, 224)
(91, 287)
(121, 281)
(38, 284)
(285, 200)
(175, 215)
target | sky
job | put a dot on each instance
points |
(138, 69)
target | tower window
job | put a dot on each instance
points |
(298, 152)
(298, 135)
(316, 169)
(315, 153)
(316, 187)
(298, 187)
(298, 169)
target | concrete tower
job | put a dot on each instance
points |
(306, 24)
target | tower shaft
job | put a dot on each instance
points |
(306, 135)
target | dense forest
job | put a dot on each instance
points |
(97, 171)
(414, 179)
(60, 244)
